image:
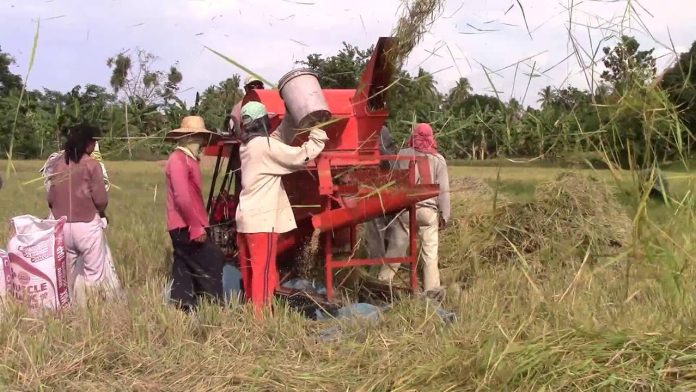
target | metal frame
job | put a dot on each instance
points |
(330, 192)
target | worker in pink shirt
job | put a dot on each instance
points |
(197, 265)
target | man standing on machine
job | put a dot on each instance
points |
(250, 83)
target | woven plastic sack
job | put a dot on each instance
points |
(5, 274)
(37, 263)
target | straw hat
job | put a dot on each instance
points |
(192, 125)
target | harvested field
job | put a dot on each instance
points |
(517, 329)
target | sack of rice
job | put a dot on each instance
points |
(5, 273)
(38, 263)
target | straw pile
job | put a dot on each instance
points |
(473, 200)
(415, 21)
(571, 216)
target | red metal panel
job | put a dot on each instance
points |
(344, 186)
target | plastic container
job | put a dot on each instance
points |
(303, 97)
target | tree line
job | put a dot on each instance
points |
(633, 116)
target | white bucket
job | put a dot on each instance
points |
(304, 98)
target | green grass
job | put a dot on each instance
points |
(589, 328)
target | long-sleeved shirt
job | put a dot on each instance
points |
(48, 167)
(263, 204)
(77, 190)
(185, 208)
(439, 175)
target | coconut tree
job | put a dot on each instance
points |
(546, 96)
(458, 95)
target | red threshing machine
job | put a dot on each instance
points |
(344, 187)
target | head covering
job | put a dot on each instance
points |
(422, 139)
(255, 121)
(251, 79)
(253, 110)
(193, 125)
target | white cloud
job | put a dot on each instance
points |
(269, 35)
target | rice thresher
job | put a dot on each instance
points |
(345, 186)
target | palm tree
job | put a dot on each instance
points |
(546, 96)
(426, 84)
(460, 92)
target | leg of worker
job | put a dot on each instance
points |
(264, 274)
(182, 286)
(374, 241)
(428, 233)
(374, 238)
(74, 267)
(398, 246)
(98, 271)
(89, 268)
(244, 264)
(92, 247)
(206, 271)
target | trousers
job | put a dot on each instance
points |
(196, 271)
(257, 264)
(376, 236)
(428, 224)
(89, 261)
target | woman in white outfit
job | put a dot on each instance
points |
(77, 189)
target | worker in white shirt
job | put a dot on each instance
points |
(264, 210)
(431, 214)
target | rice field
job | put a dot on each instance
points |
(613, 323)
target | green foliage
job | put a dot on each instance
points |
(680, 83)
(8, 80)
(627, 66)
(217, 101)
(412, 99)
(342, 70)
(457, 96)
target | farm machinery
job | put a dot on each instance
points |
(345, 186)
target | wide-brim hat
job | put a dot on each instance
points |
(193, 125)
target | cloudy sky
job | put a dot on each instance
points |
(77, 36)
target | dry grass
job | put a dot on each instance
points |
(580, 328)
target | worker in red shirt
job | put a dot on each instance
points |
(197, 265)
(264, 209)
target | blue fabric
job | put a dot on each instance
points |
(231, 281)
(305, 285)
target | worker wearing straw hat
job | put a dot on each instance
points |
(197, 264)
(264, 209)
